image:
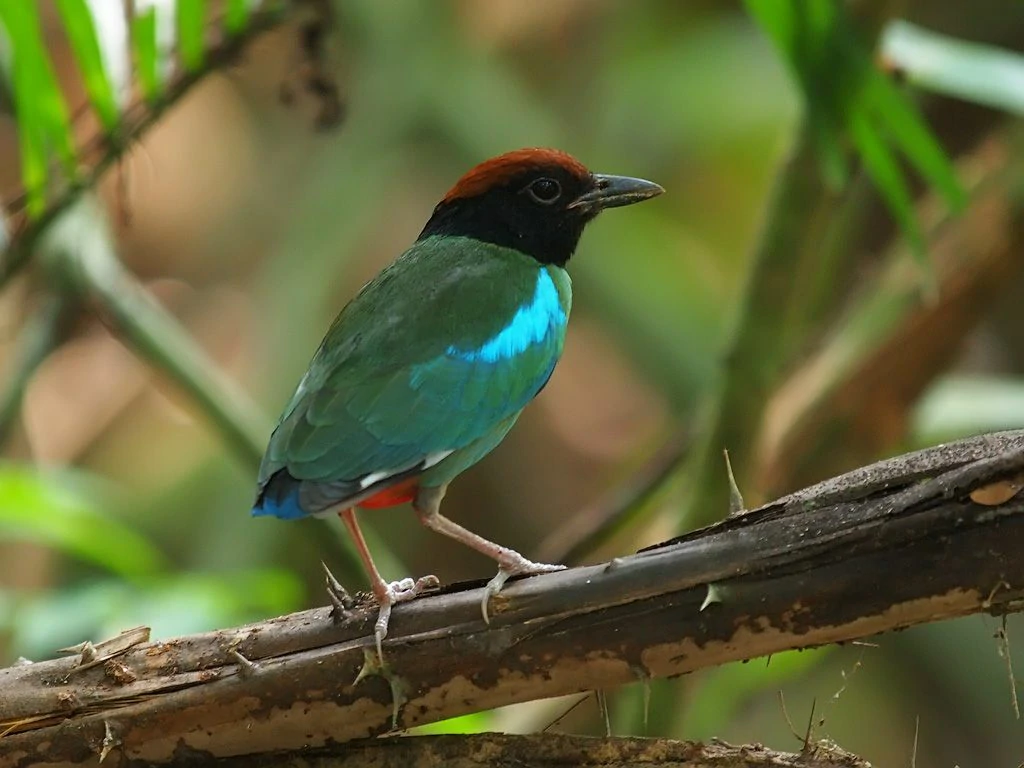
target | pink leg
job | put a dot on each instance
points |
(510, 562)
(387, 594)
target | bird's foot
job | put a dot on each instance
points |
(512, 564)
(389, 595)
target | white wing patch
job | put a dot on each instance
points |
(436, 458)
(375, 477)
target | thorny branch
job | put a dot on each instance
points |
(937, 531)
(491, 749)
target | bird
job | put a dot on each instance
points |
(428, 367)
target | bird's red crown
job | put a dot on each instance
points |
(496, 171)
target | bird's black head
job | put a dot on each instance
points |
(536, 201)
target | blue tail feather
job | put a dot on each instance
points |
(279, 498)
(285, 509)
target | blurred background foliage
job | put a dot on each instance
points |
(835, 275)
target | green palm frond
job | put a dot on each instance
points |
(46, 121)
(851, 102)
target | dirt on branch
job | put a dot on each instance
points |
(919, 538)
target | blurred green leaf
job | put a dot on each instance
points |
(846, 94)
(236, 16)
(902, 120)
(43, 125)
(722, 693)
(35, 624)
(731, 112)
(884, 170)
(196, 602)
(190, 19)
(81, 31)
(475, 722)
(144, 44)
(171, 605)
(32, 143)
(64, 510)
(977, 73)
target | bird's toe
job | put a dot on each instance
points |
(517, 565)
(408, 588)
(514, 565)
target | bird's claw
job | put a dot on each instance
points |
(392, 594)
(512, 565)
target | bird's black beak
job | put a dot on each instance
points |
(615, 191)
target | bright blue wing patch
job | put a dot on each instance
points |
(530, 325)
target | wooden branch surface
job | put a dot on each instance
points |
(494, 750)
(891, 545)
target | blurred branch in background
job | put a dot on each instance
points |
(593, 525)
(848, 101)
(79, 250)
(853, 396)
(39, 337)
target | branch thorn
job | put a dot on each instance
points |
(341, 601)
(714, 595)
(736, 506)
(246, 667)
(375, 665)
(111, 739)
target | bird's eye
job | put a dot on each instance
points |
(544, 191)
